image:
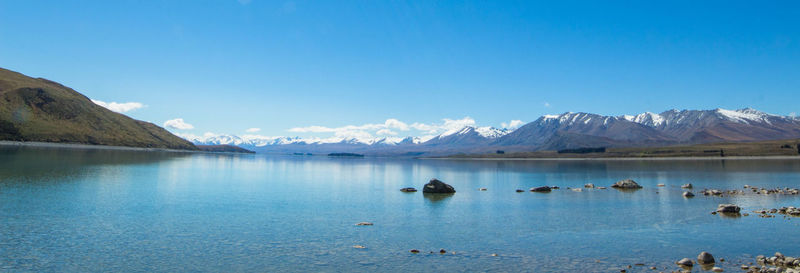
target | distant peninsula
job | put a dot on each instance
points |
(224, 149)
(773, 148)
(345, 155)
(40, 110)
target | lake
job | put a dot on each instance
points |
(100, 210)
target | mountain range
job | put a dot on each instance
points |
(36, 109)
(552, 132)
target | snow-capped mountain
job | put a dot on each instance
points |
(669, 127)
(468, 132)
(549, 132)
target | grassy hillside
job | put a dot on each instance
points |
(36, 109)
(789, 147)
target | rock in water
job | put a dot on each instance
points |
(436, 186)
(626, 184)
(519, 190)
(727, 208)
(541, 189)
(688, 194)
(589, 185)
(408, 190)
(687, 186)
(705, 257)
(717, 269)
(364, 224)
(685, 262)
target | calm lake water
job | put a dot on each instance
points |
(91, 210)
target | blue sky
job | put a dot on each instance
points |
(226, 66)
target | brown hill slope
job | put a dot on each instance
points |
(36, 109)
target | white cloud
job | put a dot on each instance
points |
(178, 123)
(792, 114)
(513, 124)
(396, 124)
(386, 132)
(253, 130)
(388, 128)
(119, 107)
(388, 124)
(456, 124)
(547, 104)
(357, 134)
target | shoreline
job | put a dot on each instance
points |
(89, 146)
(777, 157)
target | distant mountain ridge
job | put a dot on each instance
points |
(36, 109)
(554, 132)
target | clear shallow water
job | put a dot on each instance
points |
(73, 210)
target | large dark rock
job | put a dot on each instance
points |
(436, 186)
(541, 189)
(626, 184)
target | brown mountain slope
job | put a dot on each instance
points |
(36, 109)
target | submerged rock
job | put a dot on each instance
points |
(705, 257)
(436, 186)
(626, 184)
(727, 208)
(541, 189)
(520, 190)
(409, 189)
